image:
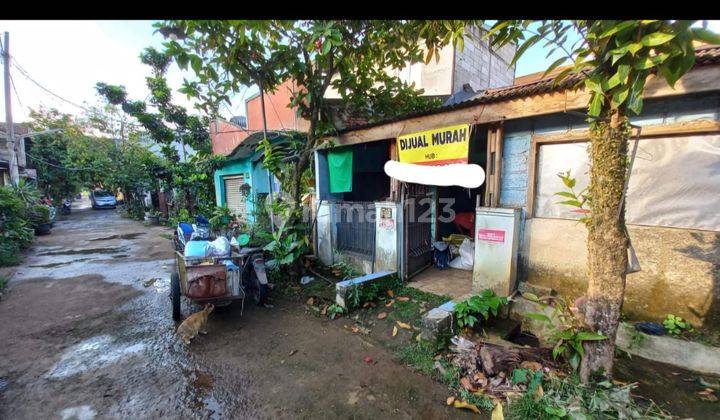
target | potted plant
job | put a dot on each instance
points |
(40, 219)
(153, 216)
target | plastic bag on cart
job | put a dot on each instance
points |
(201, 228)
(200, 232)
(467, 256)
(220, 247)
(184, 232)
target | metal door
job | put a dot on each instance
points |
(417, 225)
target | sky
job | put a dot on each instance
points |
(69, 57)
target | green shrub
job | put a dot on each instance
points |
(675, 324)
(39, 214)
(180, 216)
(15, 227)
(486, 303)
(9, 253)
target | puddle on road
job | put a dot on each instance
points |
(106, 250)
(200, 393)
(83, 412)
(93, 353)
(60, 263)
(124, 271)
(118, 236)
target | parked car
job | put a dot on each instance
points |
(102, 199)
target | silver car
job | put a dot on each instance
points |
(102, 199)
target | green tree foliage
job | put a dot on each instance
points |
(48, 153)
(69, 160)
(614, 57)
(357, 58)
(167, 125)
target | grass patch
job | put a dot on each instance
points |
(3, 283)
(567, 397)
(422, 356)
(319, 287)
(411, 311)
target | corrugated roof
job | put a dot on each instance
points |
(708, 54)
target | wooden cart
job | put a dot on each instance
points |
(208, 279)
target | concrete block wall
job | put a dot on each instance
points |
(482, 66)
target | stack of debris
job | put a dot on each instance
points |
(488, 368)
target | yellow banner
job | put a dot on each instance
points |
(439, 146)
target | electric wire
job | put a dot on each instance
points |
(24, 72)
(58, 166)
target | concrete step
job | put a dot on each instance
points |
(343, 288)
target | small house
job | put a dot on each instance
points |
(243, 182)
(523, 136)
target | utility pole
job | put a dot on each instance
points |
(10, 140)
(270, 178)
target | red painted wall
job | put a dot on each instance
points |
(226, 136)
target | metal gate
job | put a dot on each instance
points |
(356, 227)
(417, 225)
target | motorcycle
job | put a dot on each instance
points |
(66, 206)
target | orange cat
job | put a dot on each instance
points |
(194, 324)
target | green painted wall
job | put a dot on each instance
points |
(234, 167)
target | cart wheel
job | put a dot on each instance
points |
(258, 291)
(175, 296)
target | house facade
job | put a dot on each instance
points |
(477, 66)
(21, 133)
(523, 136)
(243, 182)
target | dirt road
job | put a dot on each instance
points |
(86, 332)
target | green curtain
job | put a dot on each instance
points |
(340, 165)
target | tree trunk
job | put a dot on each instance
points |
(607, 242)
